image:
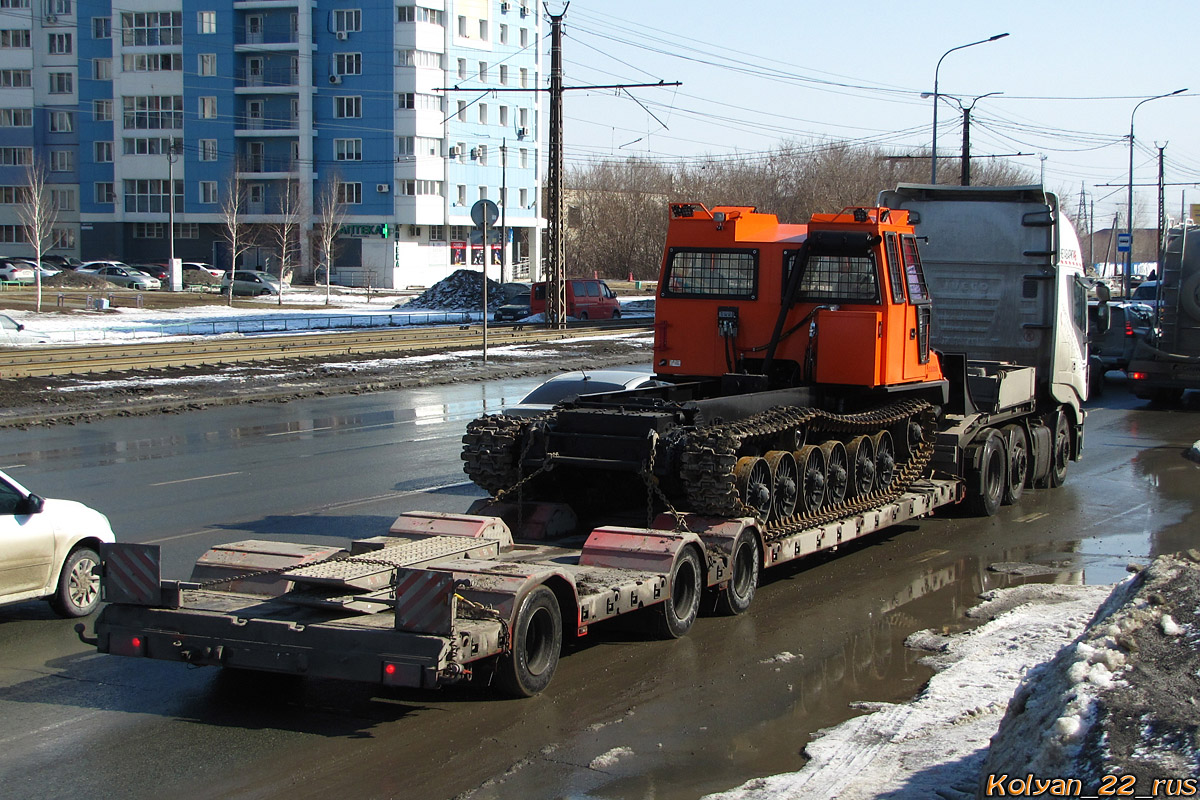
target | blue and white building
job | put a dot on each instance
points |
(130, 103)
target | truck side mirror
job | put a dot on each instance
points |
(1103, 293)
(1103, 318)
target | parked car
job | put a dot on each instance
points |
(95, 266)
(16, 270)
(61, 262)
(1146, 292)
(251, 282)
(586, 299)
(204, 267)
(50, 549)
(573, 384)
(517, 308)
(13, 332)
(1128, 323)
(128, 277)
(159, 271)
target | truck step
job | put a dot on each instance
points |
(376, 570)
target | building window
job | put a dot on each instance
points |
(62, 83)
(101, 27)
(208, 108)
(152, 28)
(16, 78)
(14, 3)
(63, 199)
(16, 156)
(483, 30)
(102, 69)
(523, 118)
(19, 39)
(102, 110)
(462, 27)
(503, 116)
(187, 230)
(347, 63)
(418, 58)
(524, 78)
(153, 112)
(58, 8)
(62, 161)
(152, 62)
(347, 149)
(420, 14)
(524, 37)
(437, 233)
(503, 34)
(482, 154)
(105, 194)
(12, 234)
(420, 102)
(208, 149)
(62, 122)
(208, 64)
(208, 192)
(12, 195)
(483, 193)
(462, 195)
(59, 44)
(462, 69)
(524, 194)
(104, 152)
(483, 69)
(483, 113)
(349, 193)
(62, 239)
(206, 22)
(148, 230)
(150, 146)
(150, 196)
(347, 20)
(412, 188)
(504, 74)
(462, 110)
(16, 117)
(349, 107)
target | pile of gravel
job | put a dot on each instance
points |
(462, 291)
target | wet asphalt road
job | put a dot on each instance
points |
(626, 716)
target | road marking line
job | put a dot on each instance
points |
(200, 478)
(12, 466)
(1034, 516)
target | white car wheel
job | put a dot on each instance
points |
(78, 591)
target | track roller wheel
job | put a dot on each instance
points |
(744, 567)
(752, 476)
(1018, 463)
(837, 472)
(685, 584)
(885, 459)
(810, 464)
(861, 452)
(786, 481)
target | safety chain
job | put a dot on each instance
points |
(653, 489)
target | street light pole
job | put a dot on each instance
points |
(933, 153)
(1127, 272)
(172, 152)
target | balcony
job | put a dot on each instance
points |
(256, 167)
(281, 80)
(250, 125)
(264, 40)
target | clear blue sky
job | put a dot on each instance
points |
(756, 72)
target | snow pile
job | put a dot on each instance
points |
(935, 745)
(461, 291)
(1121, 700)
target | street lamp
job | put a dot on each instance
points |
(966, 141)
(933, 156)
(1128, 270)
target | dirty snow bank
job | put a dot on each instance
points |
(936, 745)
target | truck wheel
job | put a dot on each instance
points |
(583, 315)
(743, 581)
(1018, 463)
(985, 483)
(78, 591)
(1061, 453)
(526, 669)
(679, 610)
(616, 315)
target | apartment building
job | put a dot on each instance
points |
(386, 110)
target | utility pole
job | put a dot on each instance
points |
(556, 301)
(966, 149)
(174, 278)
(1162, 211)
(503, 208)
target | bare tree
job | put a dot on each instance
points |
(285, 232)
(331, 215)
(38, 215)
(234, 231)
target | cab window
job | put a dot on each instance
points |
(843, 278)
(711, 273)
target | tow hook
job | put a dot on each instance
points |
(80, 630)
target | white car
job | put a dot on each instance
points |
(569, 385)
(128, 277)
(16, 271)
(95, 266)
(50, 549)
(13, 332)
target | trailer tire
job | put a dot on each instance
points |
(986, 482)
(1018, 463)
(744, 566)
(537, 635)
(677, 613)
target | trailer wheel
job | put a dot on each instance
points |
(861, 452)
(1018, 463)
(1061, 453)
(679, 610)
(985, 483)
(744, 565)
(526, 669)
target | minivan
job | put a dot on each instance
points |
(586, 299)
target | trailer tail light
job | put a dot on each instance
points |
(1138, 376)
(396, 673)
(126, 644)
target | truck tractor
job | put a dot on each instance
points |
(1167, 362)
